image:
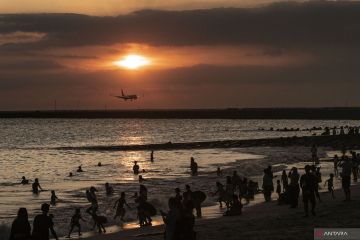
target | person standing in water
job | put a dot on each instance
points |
(36, 186)
(75, 222)
(53, 198)
(20, 228)
(193, 167)
(346, 176)
(136, 168)
(79, 169)
(42, 224)
(24, 180)
(152, 156)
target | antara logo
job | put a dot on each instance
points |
(335, 233)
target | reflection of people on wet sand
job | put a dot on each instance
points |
(36, 186)
(75, 222)
(136, 168)
(20, 228)
(24, 180)
(193, 166)
(53, 198)
(42, 224)
(119, 205)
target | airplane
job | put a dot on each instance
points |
(127, 97)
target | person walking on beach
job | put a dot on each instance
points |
(346, 166)
(308, 184)
(91, 197)
(20, 228)
(136, 168)
(75, 222)
(294, 188)
(193, 167)
(36, 186)
(42, 224)
(284, 180)
(119, 205)
(330, 183)
(316, 171)
(171, 220)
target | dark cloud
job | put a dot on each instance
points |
(282, 25)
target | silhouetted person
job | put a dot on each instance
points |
(187, 222)
(99, 221)
(141, 179)
(36, 186)
(91, 197)
(20, 228)
(171, 220)
(278, 188)
(330, 183)
(119, 205)
(187, 195)
(285, 181)
(235, 208)
(108, 189)
(136, 168)
(336, 162)
(308, 184)
(218, 172)
(152, 156)
(294, 188)
(268, 185)
(178, 198)
(79, 169)
(99, 164)
(70, 174)
(193, 166)
(42, 224)
(53, 198)
(24, 180)
(222, 193)
(346, 176)
(314, 156)
(75, 222)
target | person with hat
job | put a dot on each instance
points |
(42, 224)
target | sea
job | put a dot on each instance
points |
(32, 148)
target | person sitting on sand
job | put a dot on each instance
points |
(136, 168)
(20, 228)
(75, 222)
(24, 180)
(193, 167)
(171, 220)
(53, 198)
(36, 186)
(308, 184)
(42, 224)
(235, 208)
(108, 189)
(330, 183)
(119, 205)
(79, 169)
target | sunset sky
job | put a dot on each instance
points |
(178, 54)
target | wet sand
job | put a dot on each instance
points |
(265, 221)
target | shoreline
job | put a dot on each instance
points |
(334, 141)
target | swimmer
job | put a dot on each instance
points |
(53, 198)
(36, 186)
(136, 168)
(24, 180)
(79, 169)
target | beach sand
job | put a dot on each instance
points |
(265, 221)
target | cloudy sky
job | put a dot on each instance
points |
(197, 54)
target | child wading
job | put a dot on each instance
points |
(120, 210)
(75, 222)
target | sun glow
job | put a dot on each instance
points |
(132, 62)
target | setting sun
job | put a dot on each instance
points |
(132, 62)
